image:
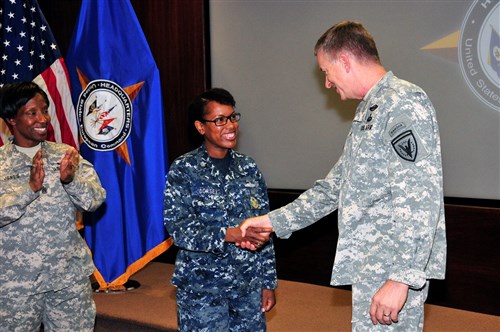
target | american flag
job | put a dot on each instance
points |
(29, 52)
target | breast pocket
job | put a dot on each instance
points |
(368, 175)
(251, 199)
(209, 202)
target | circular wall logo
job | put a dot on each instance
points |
(479, 51)
(104, 113)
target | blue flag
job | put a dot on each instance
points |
(118, 102)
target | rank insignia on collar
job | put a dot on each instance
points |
(406, 146)
(371, 108)
(254, 203)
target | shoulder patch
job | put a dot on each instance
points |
(406, 146)
(396, 126)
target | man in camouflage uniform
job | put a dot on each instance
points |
(387, 187)
(45, 263)
(209, 191)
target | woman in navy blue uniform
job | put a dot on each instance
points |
(209, 191)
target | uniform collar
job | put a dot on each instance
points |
(45, 145)
(374, 91)
(379, 85)
(204, 161)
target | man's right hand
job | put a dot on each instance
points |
(257, 236)
(261, 223)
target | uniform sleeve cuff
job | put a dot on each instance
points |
(278, 219)
(415, 279)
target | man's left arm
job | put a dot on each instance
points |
(417, 202)
(417, 190)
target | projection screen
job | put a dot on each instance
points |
(295, 128)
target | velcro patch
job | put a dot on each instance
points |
(406, 146)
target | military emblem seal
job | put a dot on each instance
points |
(479, 51)
(406, 146)
(104, 112)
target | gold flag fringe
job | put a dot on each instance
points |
(118, 283)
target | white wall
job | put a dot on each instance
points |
(262, 51)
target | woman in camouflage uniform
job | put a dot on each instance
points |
(45, 264)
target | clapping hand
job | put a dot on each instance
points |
(69, 165)
(37, 173)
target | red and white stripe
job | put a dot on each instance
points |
(4, 132)
(55, 81)
(63, 124)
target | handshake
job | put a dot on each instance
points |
(252, 233)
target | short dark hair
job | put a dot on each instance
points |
(348, 36)
(198, 108)
(14, 96)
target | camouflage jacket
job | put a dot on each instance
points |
(387, 187)
(40, 248)
(200, 204)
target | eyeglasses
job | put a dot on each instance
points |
(222, 120)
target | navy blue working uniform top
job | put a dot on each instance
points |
(200, 203)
